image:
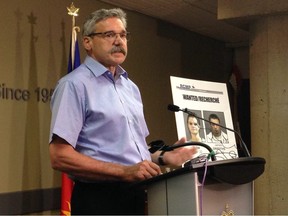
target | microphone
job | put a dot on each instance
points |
(175, 108)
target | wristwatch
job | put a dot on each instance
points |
(160, 158)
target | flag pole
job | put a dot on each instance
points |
(67, 183)
(73, 11)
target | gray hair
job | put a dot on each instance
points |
(102, 14)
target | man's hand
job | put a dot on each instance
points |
(178, 156)
(141, 171)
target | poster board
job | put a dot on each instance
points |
(205, 99)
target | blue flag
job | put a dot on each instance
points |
(74, 55)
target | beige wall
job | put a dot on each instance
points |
(268, 77)
(269, 105)
(25, 123)
(28, 64)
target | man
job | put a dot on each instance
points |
(216, 135)
(98, 128)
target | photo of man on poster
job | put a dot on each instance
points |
(216, 134)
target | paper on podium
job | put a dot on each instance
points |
(205, 98)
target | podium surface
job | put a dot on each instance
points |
(228, 186)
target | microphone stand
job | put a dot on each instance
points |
(243, 145)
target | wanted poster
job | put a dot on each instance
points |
(209, 101)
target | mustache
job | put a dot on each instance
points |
(118, 49)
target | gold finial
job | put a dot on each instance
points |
(72, 10)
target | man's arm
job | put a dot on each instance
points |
(66, 159)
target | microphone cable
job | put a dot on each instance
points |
(202, 186)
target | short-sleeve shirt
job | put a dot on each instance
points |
(99, 116)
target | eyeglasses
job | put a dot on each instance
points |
(111, 35)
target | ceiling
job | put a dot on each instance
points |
(199, 16)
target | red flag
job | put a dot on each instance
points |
(67, 183)
(236, 79)
(66, 191)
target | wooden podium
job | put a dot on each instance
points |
(227, 190)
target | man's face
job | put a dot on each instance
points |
(101, 48)
(215, 129)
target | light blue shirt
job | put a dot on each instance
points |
(100, 117)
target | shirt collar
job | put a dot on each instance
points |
(98, 69)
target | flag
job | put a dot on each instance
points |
(235, 78)
(74, 56)
(236, 83)
(67, 184)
